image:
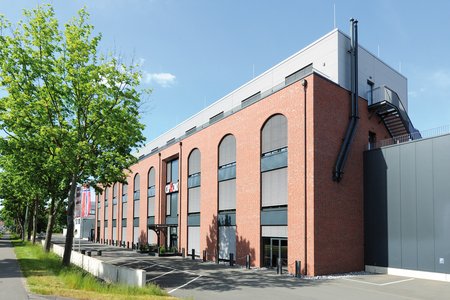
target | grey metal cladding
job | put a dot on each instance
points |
(417, 177)
(408, 206)
(375, 209)
(425, 204)
(394, 207)
(441, 179)
(274, 134)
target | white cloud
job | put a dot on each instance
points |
(163, 79)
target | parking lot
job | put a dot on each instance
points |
(185, 278)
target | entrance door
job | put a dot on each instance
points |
(274, 248)
(173, 237)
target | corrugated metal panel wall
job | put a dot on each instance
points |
(407, 205)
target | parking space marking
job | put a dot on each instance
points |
(379, 284)
(164, 274)
(182, 286)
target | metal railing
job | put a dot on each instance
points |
(410, 137)
(384, 93)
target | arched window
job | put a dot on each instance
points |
(194, 182)
(274, 190)
(274, 162)
(151, 193)
(227, 196)
(124, 211)
(136, 203)
(106, 231)
(114, 216)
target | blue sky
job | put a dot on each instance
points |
(195, 52)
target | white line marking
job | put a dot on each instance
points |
(398, 281)
(161, 275)
(379, 284)
(116, 260)
(182, 286)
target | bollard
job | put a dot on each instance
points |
(247, 261)
(231, 259)
(137, 246)
(88, 253)
(193, 254)
(128, 245)
(99, 252)
(298, 265)
(183, 252)
(204, 255)
(83, 251)
(279, 269)
(101, 241)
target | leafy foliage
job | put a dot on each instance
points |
(74, 111)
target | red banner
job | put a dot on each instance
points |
(85, 201)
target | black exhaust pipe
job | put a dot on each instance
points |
(338, 171)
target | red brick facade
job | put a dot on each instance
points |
(334, 211)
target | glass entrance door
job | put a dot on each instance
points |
(274, 248)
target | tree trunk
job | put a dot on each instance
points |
(50, 223)
(35, 217)
(29, 226)
(70, 225)
(25, 224)
(21, 225)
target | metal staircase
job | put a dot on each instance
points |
(388, 106)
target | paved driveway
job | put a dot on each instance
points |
(186, 278)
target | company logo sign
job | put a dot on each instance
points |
(171, 187)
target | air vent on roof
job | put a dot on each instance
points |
(154, 150)
(252, 99)
(298, 74)
(170, 141)
(216, 118)
(191, 130)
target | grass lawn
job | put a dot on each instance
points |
(46, 276)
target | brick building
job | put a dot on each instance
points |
(260, 171)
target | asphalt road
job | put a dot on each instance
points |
(185, 278)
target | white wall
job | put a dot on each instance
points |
(369, 67)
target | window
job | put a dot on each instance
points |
(136, 195)
(136, 190)
(151, 192)
(274, 162)
(106, 204)
(115, 188)
(171, 190)
(124, 192)
(227, 173)
(194, 180)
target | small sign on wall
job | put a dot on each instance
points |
(441, 260)
(171, 188)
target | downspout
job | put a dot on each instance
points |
(305, 85)
(338, 171)
(180, 172)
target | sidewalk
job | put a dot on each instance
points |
(12, 282)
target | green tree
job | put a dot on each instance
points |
(81, 106)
